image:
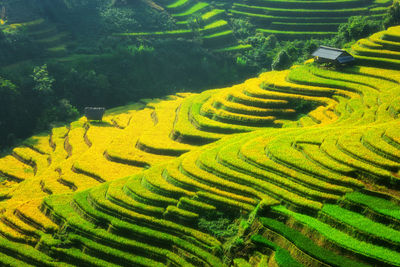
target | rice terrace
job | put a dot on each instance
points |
(271, 158)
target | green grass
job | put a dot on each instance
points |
(223, 203)
(78, 257)
(190, 168)
(229, 165)
(377, 204)
(178, 3)
(105, 210)
(342, 239)
(295, 33)
(154, 181)
(307, 245)
(116, 195)
(297, 183)
(313, 152)
(216, 24)
(118, 226)
(282, 256)
(329, 146)
(180, 213)
(350, 143)
(174, 176)
(192, 10)
(304, 75)
(195, 206)
(235, 48)
(377, 61)
(211, 14)
(312, 4)
(302, 12)
(141, 194)
(281, 151)
(116, 256)
(174, 33)
(208, 124)
(219, 34)
(360, 223)
(25, 253)
(373, 52)
(7, 260)
(185, 129)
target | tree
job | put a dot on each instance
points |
(195, 23)
(357, 27)
(8, 118)
(3, 17)
(118, 19)
(281, 61)
(60, 112)
(43, 80)
(242, 28)
(393, 16)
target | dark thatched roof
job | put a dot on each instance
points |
(333, 54)
(94, 113)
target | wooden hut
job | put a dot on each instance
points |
(335, 56)
(94, 113)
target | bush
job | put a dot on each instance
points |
(43, 81)
(393, 16)
(195, 23)
(8, 93)
(60, 112)
(218, 225)
(242, 28)
(281, 61)
(15, 45)
(357, 27)
(118, 19)
(262, 52)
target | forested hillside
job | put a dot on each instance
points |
(298, 167)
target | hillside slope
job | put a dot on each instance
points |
(132, 189)
(288, 20)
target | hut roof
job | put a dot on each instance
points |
(94, 113)
(332, 53)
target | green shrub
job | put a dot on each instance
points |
(218, 225)
(392, 18)
(242, 28)
(357, 27)
(281, 61)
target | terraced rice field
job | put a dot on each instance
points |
(47, 35)
(288, 20)
(319, 190)
(304, 19)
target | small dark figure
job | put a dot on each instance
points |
(94, 113)
(3, 13)
(3, 17)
